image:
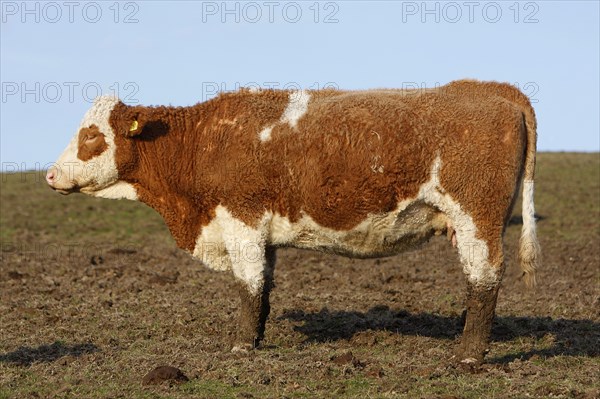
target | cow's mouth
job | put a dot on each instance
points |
(65, 191)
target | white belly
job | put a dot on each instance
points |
(411, 224)
(378, 235)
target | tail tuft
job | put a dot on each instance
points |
(529, 248)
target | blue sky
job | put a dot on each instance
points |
(56, 57)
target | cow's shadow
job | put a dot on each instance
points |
(25, 355)
(570, 337)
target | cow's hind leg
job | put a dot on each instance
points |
(481, 305)
(254, 306)
(483, 265)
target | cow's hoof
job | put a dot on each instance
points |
(467, 366)
(470, 354)
(468, 361)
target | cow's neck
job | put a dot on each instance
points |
(166, 168)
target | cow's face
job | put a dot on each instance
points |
(88, 163)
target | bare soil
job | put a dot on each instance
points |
(94, 295)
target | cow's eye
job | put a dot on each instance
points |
(90, 138)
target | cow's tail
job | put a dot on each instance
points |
(529, 248)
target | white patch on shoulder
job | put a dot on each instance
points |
(473, 251)
(228, 243)
(265, 134)
(296, 108)
(210, 248)
(119, 190)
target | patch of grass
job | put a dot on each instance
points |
(67, 217)
(212, 389)
(357, 386)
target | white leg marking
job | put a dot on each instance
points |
(246, 248)
(473, 252)
(210, 248)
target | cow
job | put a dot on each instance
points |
(361, 174)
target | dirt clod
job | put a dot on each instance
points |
(96, 260)
(14, 275)
(348, 358)
(376, 372)
(264, 380)
(164, 373)
(343, 359)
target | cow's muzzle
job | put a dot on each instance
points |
(52, 180)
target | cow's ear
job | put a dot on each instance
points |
(126, 120)
(134, 120)
(135, 128)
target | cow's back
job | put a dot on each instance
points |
(354, 154)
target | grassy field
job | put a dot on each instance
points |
(94, 294)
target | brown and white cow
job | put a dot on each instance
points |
(357, 173)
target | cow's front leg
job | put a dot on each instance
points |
(252, 263)
(481, 305)
(254, 307)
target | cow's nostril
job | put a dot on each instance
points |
(50, 176)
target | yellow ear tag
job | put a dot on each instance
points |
(134, 126)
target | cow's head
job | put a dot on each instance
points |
(101, 147)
